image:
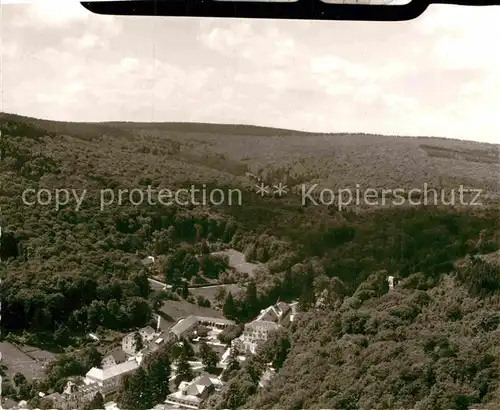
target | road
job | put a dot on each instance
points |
(156, 284)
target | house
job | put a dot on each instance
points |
(109, 379)
(254, 335)
(185, 326)
(257, 332)
(147, 333)
(148, 261)
(277, 313)
(191, 395)
(128, 342)
(113, 357)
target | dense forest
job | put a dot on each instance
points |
(431, 342)
(424, 345)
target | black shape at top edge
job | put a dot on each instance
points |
(300, 10)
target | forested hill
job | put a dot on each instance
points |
(422, 346)
(70, 270)
(168, 152)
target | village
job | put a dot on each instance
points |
(190, 395)
(194, 329)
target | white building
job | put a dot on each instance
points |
(294, 307)
(148, 261)
(390, 280)
(191, 395)
(109, 379)
(254, 335)
(257, 332)
(278, 313)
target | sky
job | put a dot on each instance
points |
(437, 75)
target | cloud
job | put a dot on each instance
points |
(458, 19)
(460, 42)
(51, 13)
(58, 15)
(227, 39)
(467, 51)
(85, 42)
(328, 64)
(9, 50)
(129, 64)
(252, 43)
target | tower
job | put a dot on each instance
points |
(158, 324)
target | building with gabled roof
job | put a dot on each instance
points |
(190, 395)
(279, 313)
(185, 326)
(113, 357)
(109, 379)
(148, 260)
(257, 332)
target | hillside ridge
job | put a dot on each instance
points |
(239, 128)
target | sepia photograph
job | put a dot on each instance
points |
(220, 213)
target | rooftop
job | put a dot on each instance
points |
(190, 391)
(180, 396)
(284, 307)
(113, 371)
(184, 324)
(147, 329)
(118, 355)
(262, 324)
(270, 314)
(274, 313)
(148, 260)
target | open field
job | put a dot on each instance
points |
(237, 261)
(18, 361)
